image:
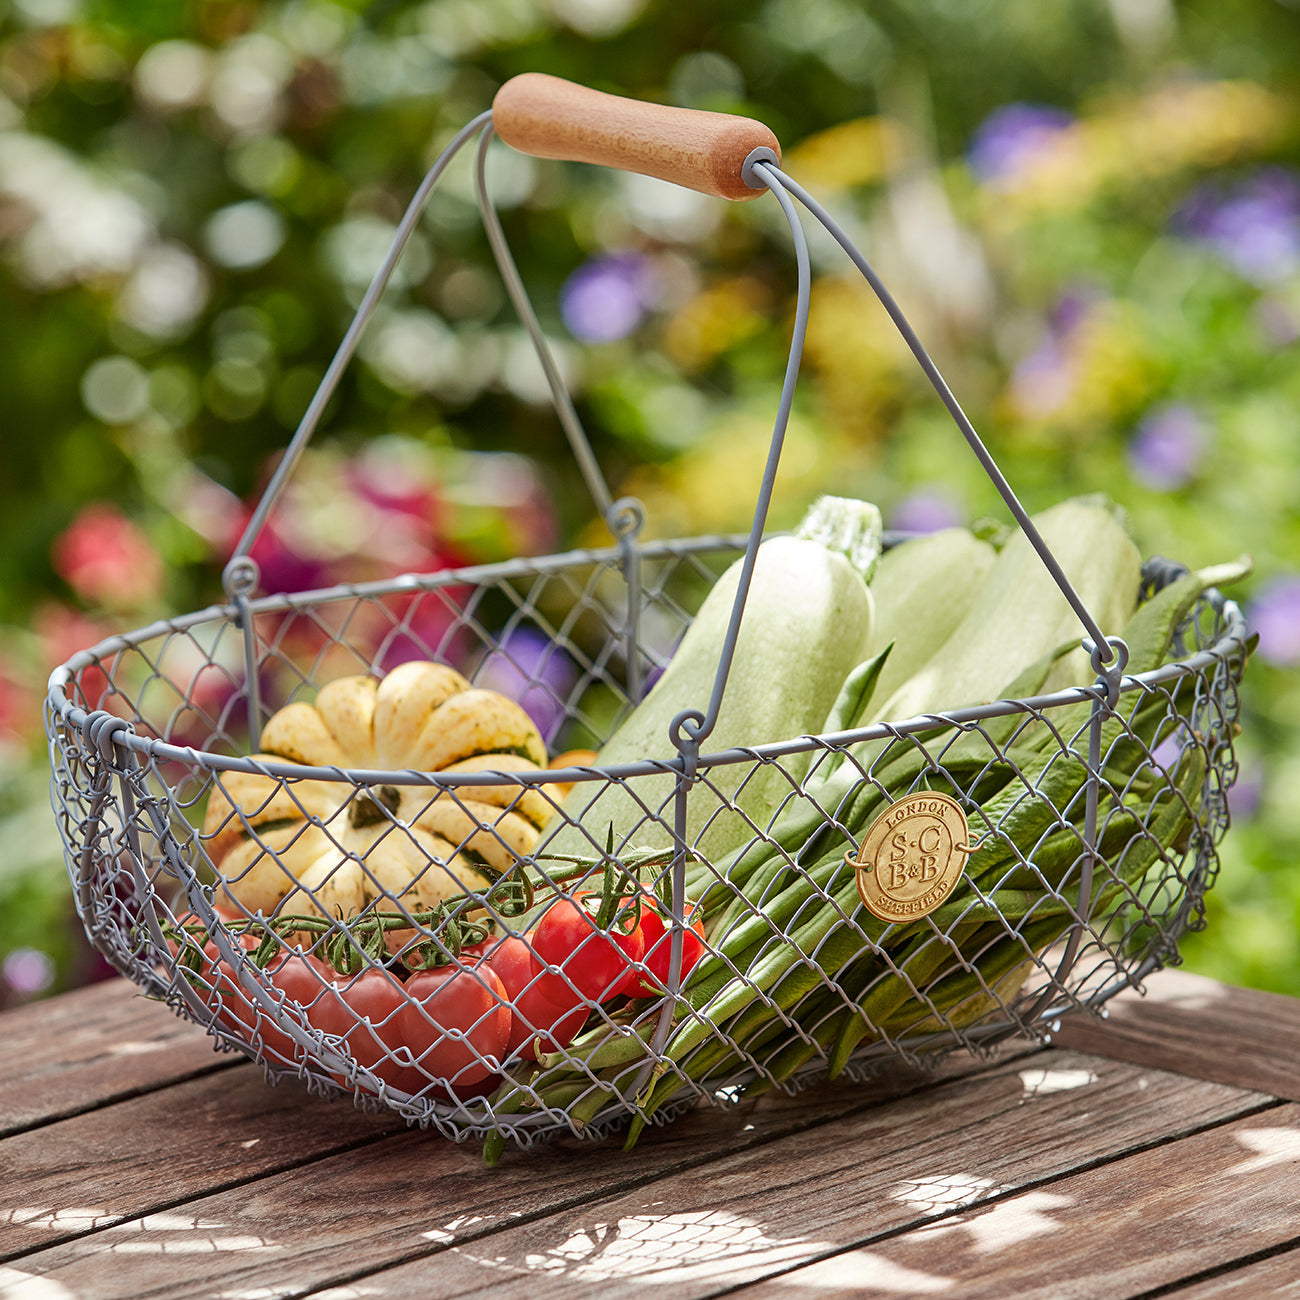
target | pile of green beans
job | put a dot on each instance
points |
(799, 975)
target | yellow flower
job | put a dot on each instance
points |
(715, 320)
(852, 153)
(1100, 373)
(712, 488)
(855, 353)
(1183, 124)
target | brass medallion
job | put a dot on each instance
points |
(912, 857)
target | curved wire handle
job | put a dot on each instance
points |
(1109, 655)
(237, 574)
(624, 517)
(691, 726)
(1096, 635)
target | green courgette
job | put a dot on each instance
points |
(1021, 614)
(807, 616)
(923, 588)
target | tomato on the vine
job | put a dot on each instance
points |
(594, 961)
(180, 936)
(365, 1012)
(235, 1010)
(456, 1022)
(656, 927)
(293, 974)
(547, 1011)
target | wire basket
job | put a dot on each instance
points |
(1093, 812)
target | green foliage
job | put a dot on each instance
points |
(193, 197)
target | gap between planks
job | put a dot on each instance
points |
(1274, 1273)
(95, 1047)
(1196, 1026)
(693, 1140)
(1108, 1231)
(254, 1180)
(985, 1110)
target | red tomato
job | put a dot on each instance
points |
(365, 1012)
(235, 1012)
(183, 919)
(595, 961)
(656, 928)
(456, 1022)
(543, 1004)
(243, 1015)
(301, 978)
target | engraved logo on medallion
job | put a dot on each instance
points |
(912, 857)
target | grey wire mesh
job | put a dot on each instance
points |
(220, 880)
(145, 729)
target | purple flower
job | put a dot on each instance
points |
(531, 669)
(1012, 136)
(1044, 380)
(1073, 308)
(29, 971)
(607, 298)
(1245, 794)
(1254, 226)
(1170, 750)
(925, 512)
(1167, 447)
(1275, 615)
(1277, 321)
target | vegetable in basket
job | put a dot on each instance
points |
(807, 619)
(268, 837)
(922, 589)
(1021, 614)
(798, 972)
(455, 1008)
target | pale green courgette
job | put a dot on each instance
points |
(807, 616)
(1021, 614)
(922, 589)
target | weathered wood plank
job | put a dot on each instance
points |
(878, 1172)
(137, 1148)
(1274, 1278)
(378, 1199)
(1118, 1231)
(154, 1150)
(710, 1201)
(1185, 1022)
(92, 1046)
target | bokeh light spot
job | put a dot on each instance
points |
(115, 390)
(244, 235)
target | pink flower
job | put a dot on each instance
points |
(20, 714)
(107, 559)
(62, 632)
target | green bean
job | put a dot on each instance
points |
(914, 970)
(797, 968)
(979, 986)
(796, 1054)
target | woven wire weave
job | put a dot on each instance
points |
(151, 722)
(1095, 813)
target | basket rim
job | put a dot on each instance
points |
(61, 710)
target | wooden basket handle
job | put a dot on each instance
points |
(549, 117)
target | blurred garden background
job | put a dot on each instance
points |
(1089, 209)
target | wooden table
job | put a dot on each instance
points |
(1154, 1155)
